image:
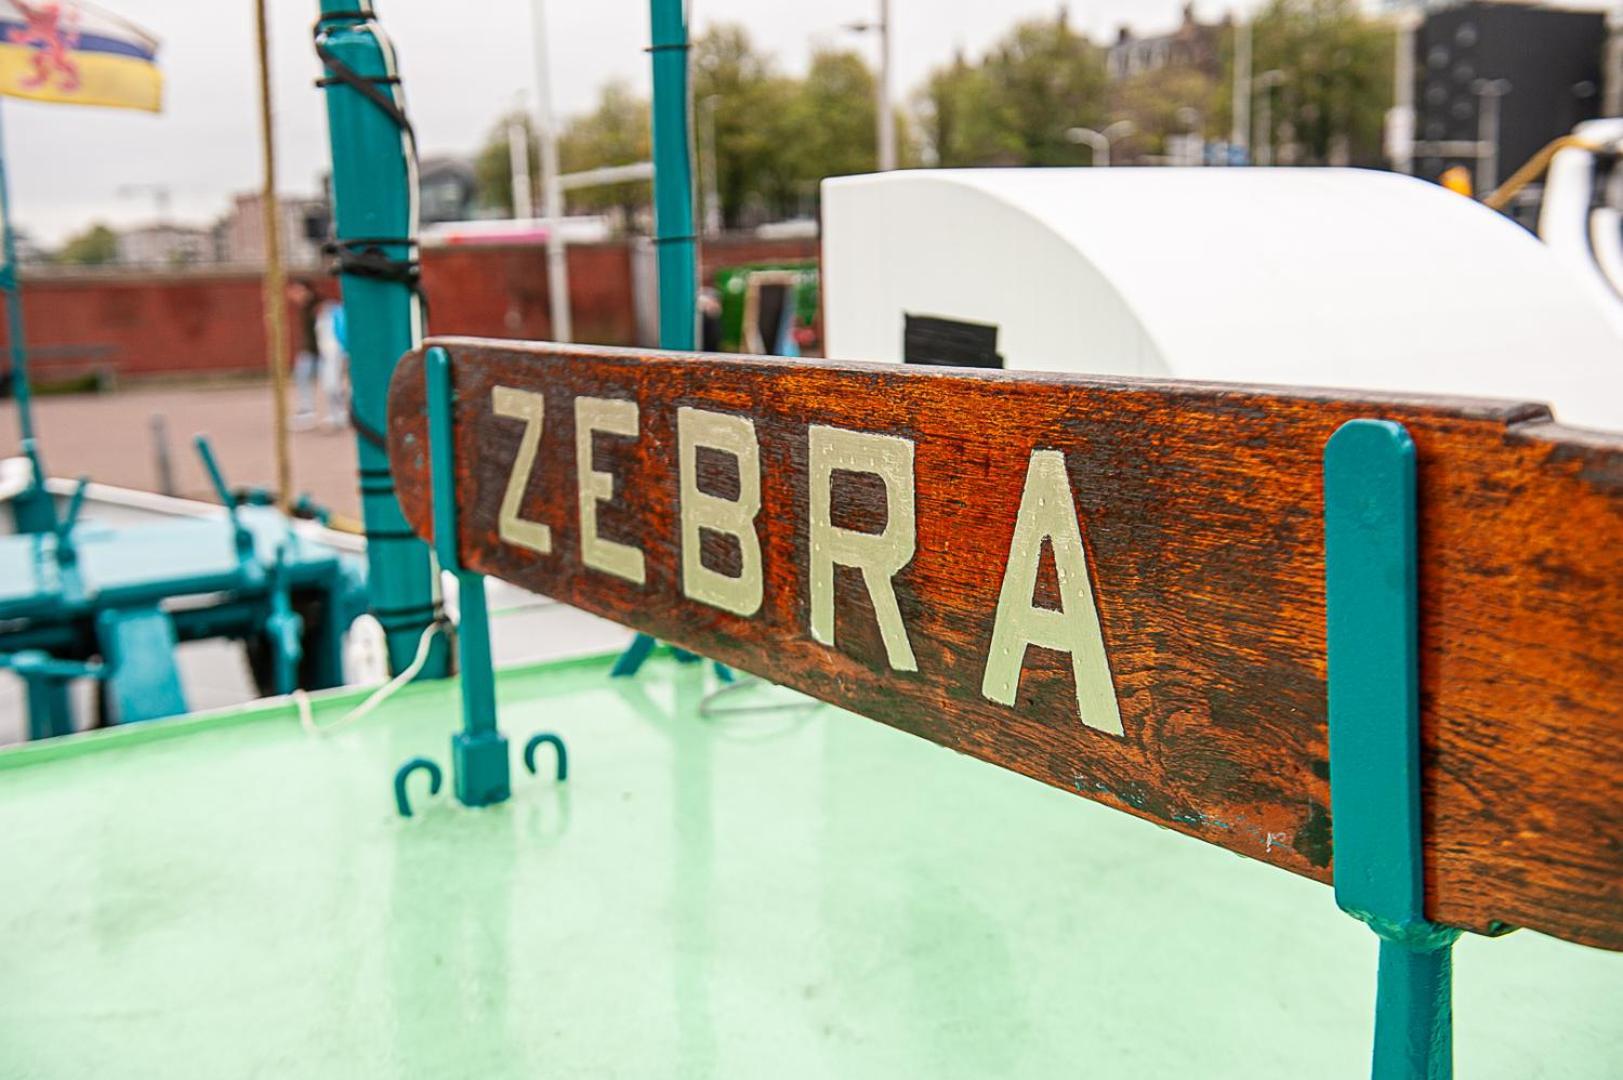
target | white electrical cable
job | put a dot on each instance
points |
(378, 696)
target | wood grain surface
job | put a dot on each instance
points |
(1201, 514)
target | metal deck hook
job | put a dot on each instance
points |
(556, 742)
(435, 778)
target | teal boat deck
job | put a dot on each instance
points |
(787, 894)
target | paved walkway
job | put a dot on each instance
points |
(110, 437)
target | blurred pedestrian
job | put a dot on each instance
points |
(332, 350)
(709, 320)
(306, 352)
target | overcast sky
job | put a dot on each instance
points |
(463, 62)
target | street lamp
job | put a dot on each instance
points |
(887, 120)
(1265, 84)
(552, 195)
(518, 160)
(1100, 141)
(1488, 92)
(710, 164)
(1191, 118)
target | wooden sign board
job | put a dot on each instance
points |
(1113, 586)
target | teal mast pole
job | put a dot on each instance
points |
(673, 177)
(32, 508)
(374, 192)
(673, 213)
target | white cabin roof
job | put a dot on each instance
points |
(1313, 277)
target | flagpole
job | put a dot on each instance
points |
(275, 280)
(32, 510)
(14, 306)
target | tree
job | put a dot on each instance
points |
(957, 116)
(493, 166)
(1046, 79)
(614, 133)
(828, 128)
(1039, 81)
(96, 246)
(1157, 103)
(748, 101)
(1336, 85)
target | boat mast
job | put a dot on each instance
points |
(374, 195)
(673, 216)
(673, 178)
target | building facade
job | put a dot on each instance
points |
(163, 244)
(1193, 45)
(303, 227)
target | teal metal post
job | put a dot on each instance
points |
(673, 177)
(673, 224)
(479, 765)
(32, 508)
(374, 179)
(1375, 764)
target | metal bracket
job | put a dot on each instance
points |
(242, 537)
(479, 763)
(33, 510)
(1372, 609)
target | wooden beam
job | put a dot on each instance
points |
(1112, 586)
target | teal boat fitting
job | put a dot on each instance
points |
(80, 591)
(1372, 610)
(480, 772)
(222, 490)
(45, 684)
(675, 240)
(374, 183)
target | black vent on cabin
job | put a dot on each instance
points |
(774, 308)
(931, 339)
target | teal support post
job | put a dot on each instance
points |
(673, 224)
(479, 766)
(32, 509)
(46, 680)
(284, 628)
(143, 682)
(374, 185)
(1372, 606)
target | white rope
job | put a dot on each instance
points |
(376, 697)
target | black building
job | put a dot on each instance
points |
(1532, 72)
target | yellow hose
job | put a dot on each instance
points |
(1532, 170)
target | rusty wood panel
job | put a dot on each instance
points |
(1199, 510)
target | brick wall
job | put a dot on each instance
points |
(210, 322)
(502, 292)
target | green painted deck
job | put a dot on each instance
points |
(760, 895)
